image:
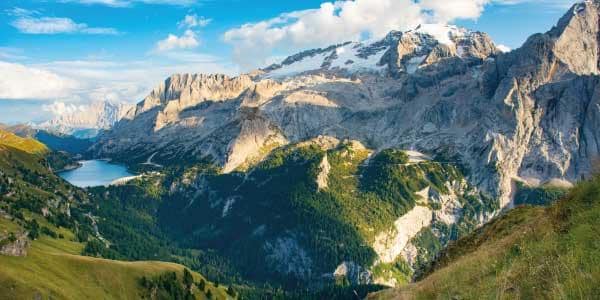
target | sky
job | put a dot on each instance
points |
(57, 55)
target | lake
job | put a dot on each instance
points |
(95, 173)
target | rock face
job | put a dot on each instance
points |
(87, 121)
(532, 114)
(390, 245)
(14, 245)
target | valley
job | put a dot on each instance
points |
(427, 164)
(45, 233)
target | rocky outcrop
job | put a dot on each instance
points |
(352, 272)
(287, 257)
(14, 244)
(389, 246)
(323, 175)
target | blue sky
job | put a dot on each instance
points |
(77, 51)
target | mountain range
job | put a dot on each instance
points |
(446, 95)
(86, 121)
(399, 162)
(527, 115)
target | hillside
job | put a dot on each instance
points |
(28, 145)
(322, 210)
(528, 253)
(54, 268)
(44, 229)
(52, 139)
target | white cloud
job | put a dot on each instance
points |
(503, 48)
(126, 3)
(187, 41)
(560, 4)
(80, 82)
(20, 12)
(51, 25)
(23, 82)
(192, 21)
(59, 108)
(443, 11)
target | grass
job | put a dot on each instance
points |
(528, 253)
(542, 195)
(30, 146)
(54, 269)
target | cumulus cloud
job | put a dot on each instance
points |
(503, 48)
(59, 108)
(23, 82)
(80, 82)
(442, 11)
(341, 21)
(193, 21)
(50, 25)
(186, 41)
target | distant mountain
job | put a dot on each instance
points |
(88, 120)
(363, 160)
(53, 140)
(307, 95)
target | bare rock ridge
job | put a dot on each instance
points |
(532, 114)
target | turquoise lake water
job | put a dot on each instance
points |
(95, 173)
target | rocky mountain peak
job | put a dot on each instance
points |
(577, 38)
(191, 89)
(399, 52)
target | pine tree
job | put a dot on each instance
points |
(231, 291)
(188, 279)
(201, 285)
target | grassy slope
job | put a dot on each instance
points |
(53, 267)
(334, 224)
(27, 145)
(529, 253)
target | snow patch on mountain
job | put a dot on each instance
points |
(306, 64)
(444, 34)
(349, 57)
